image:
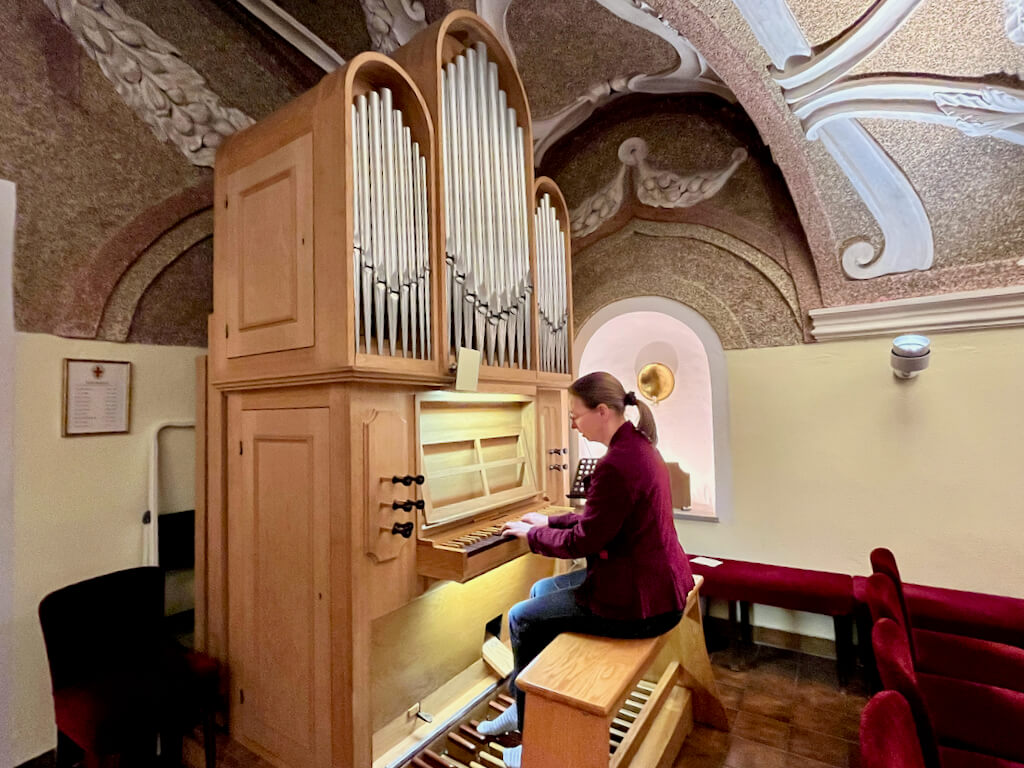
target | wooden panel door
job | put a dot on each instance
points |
(554, 443)
(268, 273)
(279, 564)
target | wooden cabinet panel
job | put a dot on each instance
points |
(554, 428)
(269, 269)
(279, 581)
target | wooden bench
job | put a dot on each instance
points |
(796, 589)
(576, 687)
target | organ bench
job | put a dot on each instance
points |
(576, 696)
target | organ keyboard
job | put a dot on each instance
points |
(469, 551)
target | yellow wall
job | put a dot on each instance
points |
(833, 456)
(78, 501)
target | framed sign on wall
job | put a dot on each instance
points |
(97, 397)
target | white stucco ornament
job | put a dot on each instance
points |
(986, 113)
(152, 78)
(654, 187)
(1015, 21)
(666, 189)
(599, 207)
(392, 23)
(816, 86)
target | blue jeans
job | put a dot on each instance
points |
(552, 609)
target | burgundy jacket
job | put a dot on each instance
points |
(636, 567)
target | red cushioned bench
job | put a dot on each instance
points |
(971, 614)
(794, 589)
(974, 614)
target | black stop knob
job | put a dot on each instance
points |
(402, 529)
(408, 479)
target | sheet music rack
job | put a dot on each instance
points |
(580, 481)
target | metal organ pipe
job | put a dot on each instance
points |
(358, 148)
(552, 298)
(364, 304)
(390, 255)
(486, 208)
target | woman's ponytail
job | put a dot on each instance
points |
(597, 388)
(646, 423)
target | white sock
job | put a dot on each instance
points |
(513, 757)
(503, 723)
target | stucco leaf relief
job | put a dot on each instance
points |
(589, 215)
(982, 114)
(666, 189)
(653, 187)
(151, 77)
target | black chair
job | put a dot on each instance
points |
(118, 682)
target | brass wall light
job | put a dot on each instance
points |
(655, 382)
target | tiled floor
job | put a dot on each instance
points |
(786, 711)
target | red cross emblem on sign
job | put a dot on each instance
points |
(98, 371)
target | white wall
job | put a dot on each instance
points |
(78, 502)
(7, 208)
(833, 456)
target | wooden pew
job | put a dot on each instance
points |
(575, 687)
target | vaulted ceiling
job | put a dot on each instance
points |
(882, 144)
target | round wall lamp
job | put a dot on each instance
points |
(655, 381)
(910, 355)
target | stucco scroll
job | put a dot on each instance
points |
(882, 185)
(975, 109)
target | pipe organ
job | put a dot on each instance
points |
(355, 580)
(363, 234)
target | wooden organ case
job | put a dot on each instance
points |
(364, 233)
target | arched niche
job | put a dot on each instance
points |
(660, 317)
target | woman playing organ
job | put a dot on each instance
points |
(637, 575)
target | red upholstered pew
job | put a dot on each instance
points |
(797, 589)
(981, 621)
(974, 614)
